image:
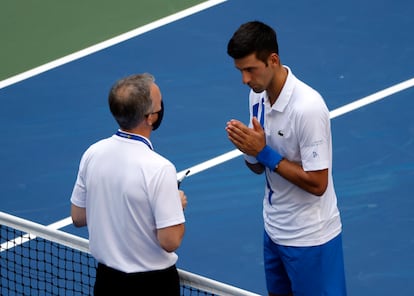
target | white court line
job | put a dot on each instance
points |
(26, 237)
(235, 153)
(90, 50)
(110, 42)
(372, 98)
(334, 113)
(192, 10)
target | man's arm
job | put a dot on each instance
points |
(170, 237)
(256, 168)
(314, 182)
(78, 215)
(251, 141)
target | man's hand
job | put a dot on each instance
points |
(248, 140)
(183, 198)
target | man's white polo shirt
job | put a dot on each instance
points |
(298, 127)
(129, 191)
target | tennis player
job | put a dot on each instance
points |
(289, 139)
(127, 195)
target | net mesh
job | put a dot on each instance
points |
(35, 265)
(42, 267)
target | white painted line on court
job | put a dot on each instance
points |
(90, 50)
(60, 224)
(161, 22)
(334, 113)
(210, 163)
(110, 42)
(16, 242)
(235, 153)
(373, 98)
(27, 237)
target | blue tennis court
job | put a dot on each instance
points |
(358, 55)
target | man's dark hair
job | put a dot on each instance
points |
(253, 37)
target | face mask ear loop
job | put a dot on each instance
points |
(160, 113)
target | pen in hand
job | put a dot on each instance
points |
(182, 178)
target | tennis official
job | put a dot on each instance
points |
(289, 138)
(127, 195)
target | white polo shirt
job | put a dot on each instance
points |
(129, 191)
(298, 127)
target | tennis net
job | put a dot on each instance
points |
(37, 260)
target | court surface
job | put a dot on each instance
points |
(352, 52)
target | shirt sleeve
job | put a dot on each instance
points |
(315, 137)
(165, 200)
(78, 197)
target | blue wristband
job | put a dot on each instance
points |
(269, 157)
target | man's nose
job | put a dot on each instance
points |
(246, 77)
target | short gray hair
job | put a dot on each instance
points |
(130, 99)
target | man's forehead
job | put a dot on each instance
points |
(250, 61)
(155, 92)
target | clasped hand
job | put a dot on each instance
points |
(248, 140)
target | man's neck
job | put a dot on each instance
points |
(276, 87)
(138, 131)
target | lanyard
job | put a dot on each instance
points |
(134, 137)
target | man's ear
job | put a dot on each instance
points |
(274, 59)
(149, 119)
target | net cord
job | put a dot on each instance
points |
(82, 244)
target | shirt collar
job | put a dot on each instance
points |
(286, 92)
(134, 137)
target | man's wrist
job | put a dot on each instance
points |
(269, 158)
(250, 159)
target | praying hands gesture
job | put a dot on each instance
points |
(248, 140)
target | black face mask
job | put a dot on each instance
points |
(160, 113)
